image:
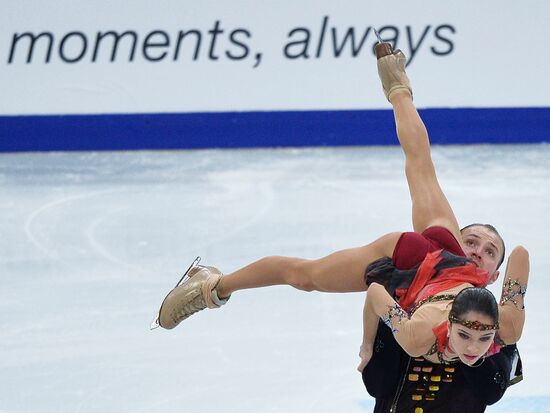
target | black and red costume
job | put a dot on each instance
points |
(401, 383)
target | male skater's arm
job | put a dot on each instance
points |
(429, 204)
(370, 327)
(388, 364)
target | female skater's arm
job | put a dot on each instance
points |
(414, 334)
(511, 308)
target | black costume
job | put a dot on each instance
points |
(404, 384)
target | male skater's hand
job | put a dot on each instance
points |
(365, 353)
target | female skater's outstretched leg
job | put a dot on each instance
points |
(342, 271)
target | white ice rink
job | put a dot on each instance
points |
(90, 243)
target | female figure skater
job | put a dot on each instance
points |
(434, 223)
(447, 319)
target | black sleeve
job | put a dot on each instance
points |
(382, 374)
(490, 380)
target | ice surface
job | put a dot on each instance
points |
(91, 242)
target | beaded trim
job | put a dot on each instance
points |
(433, 299)
(510, 290)
(443, 361)
(394, 311)
(474, 325)
(433, 350)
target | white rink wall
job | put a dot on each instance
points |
(265, 56)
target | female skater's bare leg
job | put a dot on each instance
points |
(342, 271)
(429, 204)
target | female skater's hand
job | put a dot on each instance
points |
(365, 353)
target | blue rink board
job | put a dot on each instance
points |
(265, 129)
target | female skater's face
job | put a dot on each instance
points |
(469, 344)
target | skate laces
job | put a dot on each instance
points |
(391, 70)
(195, 291)
(206, 294)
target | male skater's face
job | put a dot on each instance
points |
(484, 248)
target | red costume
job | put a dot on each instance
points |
(412, 247)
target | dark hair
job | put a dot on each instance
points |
(479, 300)
(494, 230)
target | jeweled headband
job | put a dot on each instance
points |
(474, 325)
